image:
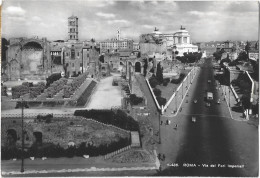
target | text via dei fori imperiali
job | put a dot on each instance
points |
(193, 165)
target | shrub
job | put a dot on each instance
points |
(3, 90)
(134, 100)
(153, 82)
(166, 81)
(19, 91)
(86, 94)
(52, 78)
(157, 92)
(161, 100)
(177, 81)
(119, 119)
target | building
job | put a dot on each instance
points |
(28, 58)
(73, 33)
(182, 42)
(114, 45)
(157, 42)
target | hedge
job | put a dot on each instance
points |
(134, 100)
(56, 151)
(86, 94)
(69, 89)
(118, 118)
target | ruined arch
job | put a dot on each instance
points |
(11, 137)
(37, 137)
(137, 66)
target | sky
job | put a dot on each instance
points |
(100, 19)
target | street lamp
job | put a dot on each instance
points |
(174, 55)
(176, 99)
(22, 156)
(229, 96)
(159, 112)
(182, 90)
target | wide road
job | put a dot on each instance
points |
(213, 140)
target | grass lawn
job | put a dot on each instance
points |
(167, 91)
(6, 103)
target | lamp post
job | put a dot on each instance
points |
(229, 96)
(174, 55)
(52, 54)
(159, 112)
(182, 90)
(22, 156)
(176, 99)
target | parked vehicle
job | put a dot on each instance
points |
(209, 96)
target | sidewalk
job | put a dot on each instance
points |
(177, 102)
(75, 164)
(235, 110)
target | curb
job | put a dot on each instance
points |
(92, 169)
(174, 115)
(229, 107)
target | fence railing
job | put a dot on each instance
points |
(233, 90)
(109, 155)
(192, 72)
(151, 90)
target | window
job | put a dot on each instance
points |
(70, 36)
(73, 53)
(78, 54)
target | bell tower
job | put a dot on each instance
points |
(73, 29)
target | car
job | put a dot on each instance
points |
(168, 122)
(193, 119)
(195, 101)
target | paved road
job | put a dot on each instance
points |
(214, 139)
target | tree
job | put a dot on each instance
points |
(153, 81)
(242, 56)
(145, 66)
(159, 73)
(157, 92)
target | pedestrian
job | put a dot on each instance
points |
(160, 168)
(176, 126)
(159, 156)
(161, 122)
(163, 157)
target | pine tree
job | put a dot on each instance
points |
(159, 73)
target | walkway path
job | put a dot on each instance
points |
(105, 96)
(235, 110)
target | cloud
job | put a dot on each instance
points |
(36, 18)
(98, 3)
(118, 21)
(147, 26)
(14, 11)
(105, 15)
(17, 19)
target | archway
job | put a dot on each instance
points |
(38, 138)
(32, 58)
(11, 137)
(138, 67)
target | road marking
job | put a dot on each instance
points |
(203, 115)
